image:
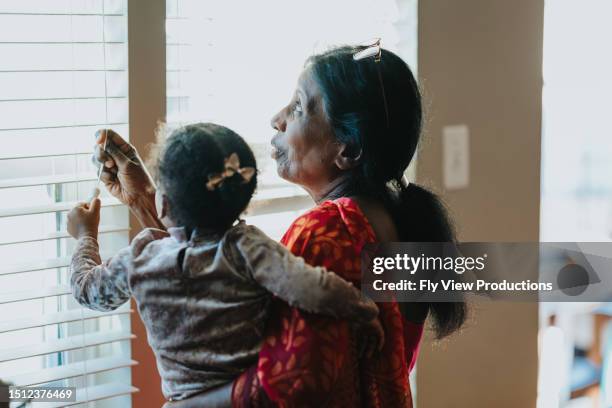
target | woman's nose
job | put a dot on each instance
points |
(278, 121)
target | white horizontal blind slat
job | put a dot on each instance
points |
(38, 265)
(68, 140)
(70, 371)
(59, 84)
(104, 229)
(12, 297)
(44, 180)
(41, 155)
(68, 7)
(65, 344)
(25, 57)
(47, 208)
(57, 113)
(95, 124)
(56, 318)
(34, 266)
(67, 29)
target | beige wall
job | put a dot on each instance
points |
(480, 65)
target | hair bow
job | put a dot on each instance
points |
(232, 166)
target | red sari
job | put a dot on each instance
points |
(310, 360)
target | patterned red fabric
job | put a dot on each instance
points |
(311, 361)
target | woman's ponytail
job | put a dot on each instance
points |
(422, 217)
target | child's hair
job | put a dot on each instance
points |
(183, 165)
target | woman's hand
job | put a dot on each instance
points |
(220, 397)
(123, 172)
(125, 176)
(84, 219)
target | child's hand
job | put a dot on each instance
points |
(370, 337)
(83, 220)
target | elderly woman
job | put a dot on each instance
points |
(347, 136)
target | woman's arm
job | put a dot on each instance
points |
(126, 177)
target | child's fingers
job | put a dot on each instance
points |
(94, 206)
(76, 213)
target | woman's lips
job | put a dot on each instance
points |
(276, 153)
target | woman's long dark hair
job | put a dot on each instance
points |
(374, 107)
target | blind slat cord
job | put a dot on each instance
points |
(84, 357)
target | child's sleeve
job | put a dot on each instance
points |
(96, 285)
(310, 288)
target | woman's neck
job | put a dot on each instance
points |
(374, 210)
(342, 186)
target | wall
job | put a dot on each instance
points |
(480, 64)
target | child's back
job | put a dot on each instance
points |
(204, 300)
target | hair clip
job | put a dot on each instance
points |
(231, 167)
(372, 49)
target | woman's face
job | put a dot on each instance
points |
(304, 146)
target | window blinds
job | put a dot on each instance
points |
(63, 75)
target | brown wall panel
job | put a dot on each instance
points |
(147, 77)
(480, 64)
